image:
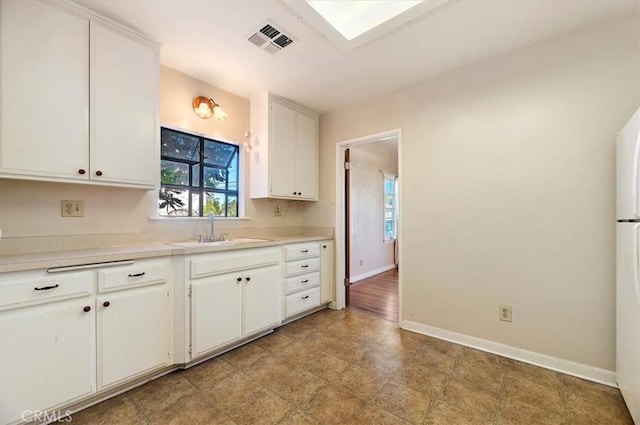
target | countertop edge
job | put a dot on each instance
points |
(24, 262)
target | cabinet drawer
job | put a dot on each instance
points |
(293, 268)
(202, 265)
(141, 273)
(44, 289)
(303, 281)
(301, 250)
(301, 301)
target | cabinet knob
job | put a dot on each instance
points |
(98, 173)
(86, 309)
(239, 279)
(295, 193)
(81, 171)
(248, 278)
(106, 303)
(324, 246)
(299, 193)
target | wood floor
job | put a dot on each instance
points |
(377, 294)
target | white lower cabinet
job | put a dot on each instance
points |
(133, 335)
(327, 274)
(261, 298)
(47, 356)
(233, 295)
(216, 312)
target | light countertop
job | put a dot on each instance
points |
(14, 263)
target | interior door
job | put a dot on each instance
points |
(347, 226)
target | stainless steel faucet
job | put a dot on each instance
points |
(212, 234)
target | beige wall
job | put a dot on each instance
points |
(32, 209)
(368, 250)
(508, 185)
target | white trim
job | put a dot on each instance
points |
(372, 273)
(185, 218)
(580, 370)
(340, 219)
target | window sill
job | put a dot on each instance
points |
(178, 218)
(388, 241)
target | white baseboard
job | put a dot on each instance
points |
(579, 370)
(372, 273)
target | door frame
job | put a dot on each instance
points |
(341, 146)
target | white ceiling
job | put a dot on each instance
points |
(206, 40)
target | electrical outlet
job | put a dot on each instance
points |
(72, 208)
(360, 262)
(505, 313)
(277, 211)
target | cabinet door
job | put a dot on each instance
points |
(262, 294)
(45, 90)
(47, 356)
(282, 163)
(216, 312)
(326, 272)
(124, 93)
(306, 157)
(133, 333)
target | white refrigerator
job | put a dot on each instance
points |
(628, 265)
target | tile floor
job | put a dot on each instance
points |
(350, 367)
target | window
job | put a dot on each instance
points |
(390, 206)
(198, 176)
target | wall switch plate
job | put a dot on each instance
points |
(505, 313)
(72, 208)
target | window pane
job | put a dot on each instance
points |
(217, 153)
(214, 178)
(195, 203)
(173, 202)
(174, 173)
(232, 206)
(215, 202)
(179, 145)
(195, 175)
(233, 173)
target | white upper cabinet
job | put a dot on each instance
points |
(124, 93)
(45, 91)
(79, 98)
(284, 154)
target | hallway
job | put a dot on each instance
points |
(377, 294)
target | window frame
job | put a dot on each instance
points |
(200, 189)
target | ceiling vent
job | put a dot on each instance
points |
(270, 38)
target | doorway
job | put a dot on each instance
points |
(368, 224)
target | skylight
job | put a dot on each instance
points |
(355, 17)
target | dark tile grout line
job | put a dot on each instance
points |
(503, 389)
(146, 419)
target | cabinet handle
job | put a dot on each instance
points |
(46, 288)
(305, 297)
(248, 278)
(106, 303)
(86, 309)
(304, 281)
(137, 274)
(304, 251)
(81, 171)
(98, 173)
(304, 266)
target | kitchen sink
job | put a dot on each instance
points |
(229, 242)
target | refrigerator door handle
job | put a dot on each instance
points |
(636, 177)
(636, 256)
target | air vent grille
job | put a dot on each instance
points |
(269, 38)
